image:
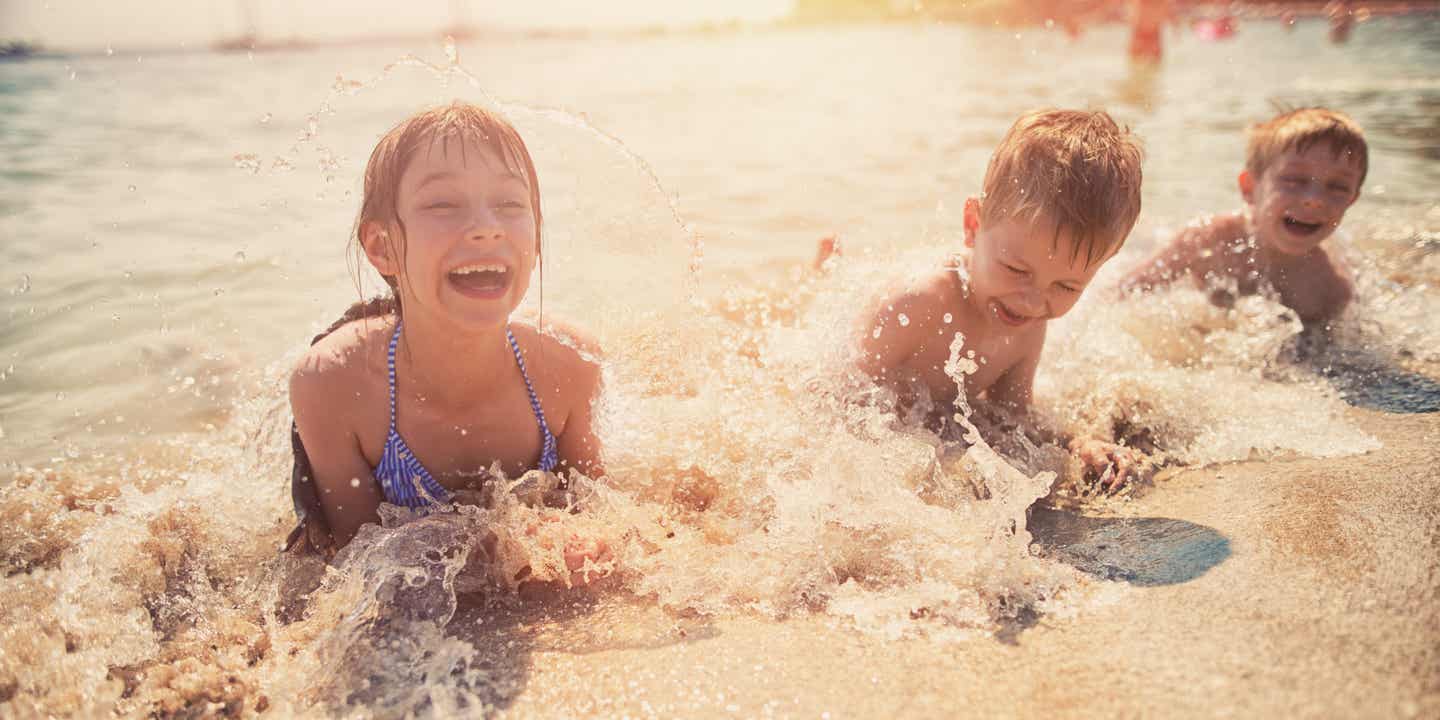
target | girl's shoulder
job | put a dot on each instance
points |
(562, 351)
(352, 355)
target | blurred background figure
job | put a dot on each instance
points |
(1287, 19)
(1147, 23)
(1342, 19)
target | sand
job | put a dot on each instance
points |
(1285, 595)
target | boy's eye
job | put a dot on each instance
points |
(1292, 180)
(1070, 288)
(1013, 269)
(441, 205)
(512, 204)
(1340, 188)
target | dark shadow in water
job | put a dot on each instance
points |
(1370, 384)
(1145, 551)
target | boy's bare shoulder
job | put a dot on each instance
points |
(922, 301)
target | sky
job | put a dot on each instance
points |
(150, 24)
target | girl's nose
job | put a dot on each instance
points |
(484, 226)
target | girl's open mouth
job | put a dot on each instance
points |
(481, 280)
(1302, 228)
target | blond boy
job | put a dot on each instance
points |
(1061, 193)
(1303, 170)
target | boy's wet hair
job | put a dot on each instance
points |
(1079, 170)
(1299, 130)
(444, 129)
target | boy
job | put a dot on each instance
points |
(1303, 170)
(1061, 193)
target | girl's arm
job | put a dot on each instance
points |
(348, 492)
(578, 446)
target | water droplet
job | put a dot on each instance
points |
(24, 285)
(904, 320)
(109, 50)
(219, 292)
(266, 118)
(73, 75)
(948, 318)
(463, 431)
(189, 380)
(60, 396)
(875, 333)
(451, 53)
(131, 188)
(247, 161)
(355, 482)
(129, 274)
(239, 256)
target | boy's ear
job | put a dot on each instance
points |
(380, 247)
(971, 220)
(1247, 186)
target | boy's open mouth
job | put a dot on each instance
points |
(483, 280)
(1007, 316)
(1302, 228)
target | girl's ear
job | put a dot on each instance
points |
(381, 247)
(1246, 181)
(971, 220)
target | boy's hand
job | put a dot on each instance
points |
(1114, 465)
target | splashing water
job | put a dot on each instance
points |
(750, 472)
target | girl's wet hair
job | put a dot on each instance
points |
(446, 128)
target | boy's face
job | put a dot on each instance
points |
(1020, 273)
(1301, 198)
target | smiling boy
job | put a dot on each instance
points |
(1303, 170)
(1061, 193)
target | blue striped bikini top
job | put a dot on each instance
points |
(405, 481)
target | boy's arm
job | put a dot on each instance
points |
(886, 342)
(1183, 255)
(348, 492)
(1014, 388)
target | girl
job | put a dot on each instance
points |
(410, 399)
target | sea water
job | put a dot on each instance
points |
(176, 229)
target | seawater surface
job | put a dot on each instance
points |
(176, 229)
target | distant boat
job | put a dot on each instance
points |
(18, 50)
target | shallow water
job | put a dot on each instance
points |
(176, 230)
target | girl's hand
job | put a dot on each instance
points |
(587, 559)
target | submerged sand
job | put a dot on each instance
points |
(1306, 588)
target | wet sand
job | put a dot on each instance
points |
(1304, 588)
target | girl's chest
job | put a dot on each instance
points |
(459, 449)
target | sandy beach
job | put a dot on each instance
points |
(1328, 605)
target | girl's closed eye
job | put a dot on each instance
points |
(1013, 269)
(441, 204)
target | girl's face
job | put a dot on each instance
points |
(470, 242)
